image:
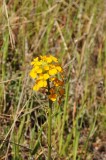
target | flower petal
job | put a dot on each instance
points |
(33, 74)
(46, 76)
(52, 97)
(52, 71)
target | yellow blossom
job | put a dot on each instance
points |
(39, 70)
(59, 68)
(52, 97)
(49, 59)
(36, 87)
(45, 69)
(57, 82)
(44, 76)
(39, 84)
(53, 71)
(54, 59)
(33, 73)
(42, 83)
(36, 62)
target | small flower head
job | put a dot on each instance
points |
(46, 68)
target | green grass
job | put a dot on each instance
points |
(74, 32)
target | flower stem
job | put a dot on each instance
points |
(49, 123)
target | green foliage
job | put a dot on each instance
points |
(73, 31)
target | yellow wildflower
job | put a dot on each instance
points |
(45, 69)
(59, 68)
(39, 84)
(39, 70)
(54, 59)
(53, 71)
(49, 59)
(42, 83)
(33, 74)
(52, 97)
(34, 61)
(57, 82)
(36, 88)
(44, 76)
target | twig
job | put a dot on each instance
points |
(15, 144)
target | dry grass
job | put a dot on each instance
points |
(73, 31)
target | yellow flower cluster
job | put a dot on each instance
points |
(46, 68)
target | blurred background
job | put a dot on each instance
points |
(75, 32)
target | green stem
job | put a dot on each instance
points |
(49, 133)
(49, 123)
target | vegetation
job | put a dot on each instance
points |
(73, 32)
